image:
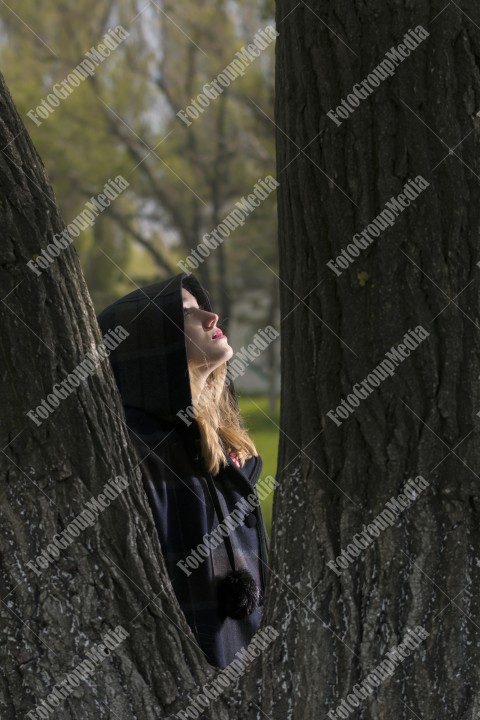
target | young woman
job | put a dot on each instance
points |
(197, 460)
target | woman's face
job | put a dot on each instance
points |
(203, 352)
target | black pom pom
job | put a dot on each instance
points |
(238, 594)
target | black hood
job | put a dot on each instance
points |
(150, 365)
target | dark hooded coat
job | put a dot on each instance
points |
(151, 371)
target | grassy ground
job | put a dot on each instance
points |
(262, 426)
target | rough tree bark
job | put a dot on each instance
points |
(334, 180)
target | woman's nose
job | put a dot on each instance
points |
(212, 319)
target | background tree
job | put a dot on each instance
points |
(184, 180)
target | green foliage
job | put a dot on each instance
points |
(183, 180)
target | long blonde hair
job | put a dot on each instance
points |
(219, 421)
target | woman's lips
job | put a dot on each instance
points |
(220, 336)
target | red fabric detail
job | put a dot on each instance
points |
(234, 457)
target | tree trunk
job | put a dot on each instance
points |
(272, 360)
(219, 182)
(422, 570)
